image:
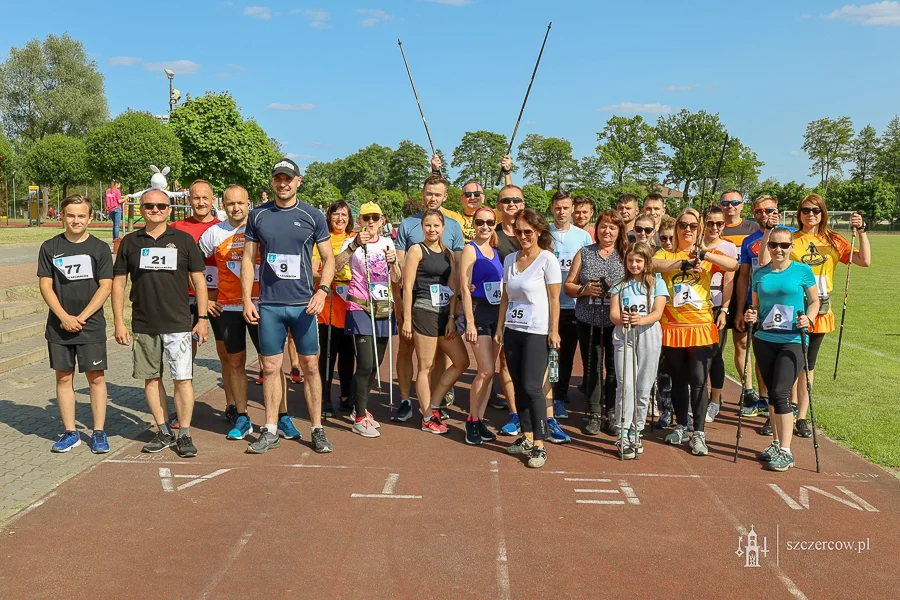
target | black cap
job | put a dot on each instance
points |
(286, 166)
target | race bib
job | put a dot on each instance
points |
(822, 285)
(781, 317)
(754, 264)
(75, 267)
(211, 274)
(379, 291)
(285, 266)
(235, 267)
(493, 291)
(565, 260)
(715, 288)
(341, 290)
(519, 313)
(639, 301)
(159, 259)
(440, 295)
(686, 294)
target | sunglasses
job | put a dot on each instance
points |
(523, 232)
(368, 218)
(767, 211)
(811, 210)
(665, 238)
(726, 203)
(691, 226)
(510, 200)
(643, 230)
(483, 222)
(782, 245)
(160, 206)
(472, 194)
(717, 224)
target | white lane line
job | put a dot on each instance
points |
(165, 476)
(599, 502)
(390, 483)
(395, 496)
(151, 462)
(502, 557)
(316, 466)
(586, 479)
(225, 568)
(629, 492)
(590, 491)
(199, 480)
(864, 349)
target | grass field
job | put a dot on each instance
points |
(25, 235)
(860, 409)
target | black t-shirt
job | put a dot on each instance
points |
(159, 270)
(76, 271)
(506, 244)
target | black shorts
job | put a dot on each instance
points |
(732, 311)
(91, 357)
(192, 304)
(233, 330)
(486, 316)
(429, 323)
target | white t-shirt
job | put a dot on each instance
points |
(529, 305)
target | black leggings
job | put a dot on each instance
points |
(689, 368)
(568, 333)
(593, 391)
(342, 350)
(526, 357)
(780, 366)
(814, 342)
(366, 369)
(717, 367)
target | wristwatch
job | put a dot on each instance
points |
(205, 317)
(325, 289)
(724, 309)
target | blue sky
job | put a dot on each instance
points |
(326, 79)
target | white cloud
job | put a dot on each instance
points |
(375, 16)
(180, 67)
(282, 106)
(796, 153)
(632, 108)
(258, 12)
(294, 156)
(317, 145)
(451, 2)
(123, 61)
(679, 88)
(531, 122)
(318, 17)
(877, 13)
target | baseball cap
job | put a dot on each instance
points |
(286, 166)
(370, 208)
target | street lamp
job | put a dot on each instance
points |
(174, 95)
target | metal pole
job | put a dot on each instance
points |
(416, 94)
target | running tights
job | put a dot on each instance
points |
(568, 333)
(717, 367)
(780, 366)
(600, 398)
(526, 357)
(689, 368)
(366, 369)
(342, 353)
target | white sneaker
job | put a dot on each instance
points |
(369, 417)
(365, 428)
(698, 444)
(712, 412)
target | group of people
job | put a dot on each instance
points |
(647, 298)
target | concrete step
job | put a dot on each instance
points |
(22, 353)
(12, 309)
(22, 328)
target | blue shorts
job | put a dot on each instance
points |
(274, 322)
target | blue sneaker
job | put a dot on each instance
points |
(67, 441)
(559, 410)
(665, 420)
(513, 427)
(286, 428)
(99, 443)
(403, 412)
(557, 435)
(756, 410)
(242, 428)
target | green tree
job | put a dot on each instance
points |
(547, 160)
(368, 168)
(391, 203)
(695, 141)
(874, 200)
(589, 173)
(536, 198)
(319, 192)
(48, 87)
(865, 150)
(409, 167)
(827, 143)
(125, 147)
(628, 148)
(219, 145)
(740, 169)
(887, 161)
(57, 160)
(478, 157)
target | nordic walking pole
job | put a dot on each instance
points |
(634, 379)
(712, 194)
(329, 370)
(416, 94)
(372, 314)
(621, 407)
(812, 416)
(837, 357)
(390, 342)
(587, 369)
(601, 357)
(525, 101)
(737, 441)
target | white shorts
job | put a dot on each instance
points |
(148, 351)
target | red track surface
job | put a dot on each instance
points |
(482, 525)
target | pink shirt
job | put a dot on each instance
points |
(113, 199)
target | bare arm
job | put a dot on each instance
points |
(67, 321)
(409, 279)
(863, 258)
(118, 306)
(572, 287)
(465, 279)
(553, 337)
(201, 329)
(97, 300)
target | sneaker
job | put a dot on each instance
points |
(626, 448)
(99, 443)
(231, 414)
(538, 457)
(612, 428)
(496, 402)
(639, 445)
(513, 426)
(67, 441)
(173, 422)
(160, 442)
(403, 412)
(559, 410)
(185, 448)
(764, 407)
(679, 435)
(781, 462)
(449, 399)
(296, 377)
(557, 435)
(520, 446)
(327, 409)
(750, 398)
(264, 442)
(445, 416)
(690, 423)
(752, 411)
(594, 425)
(802, 428)
(320, 441)
(794, 410)
(242, 428)
(434, 424)
(665, 419)
(369, 417)
(712, 412)
(770, 452)
(259, 379)
(286, 428)
(473, 435)
(698, 444)
(366, 428)
(486, 434)
(766, 428)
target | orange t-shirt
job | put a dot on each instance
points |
(687, 319)
(822, 257)
(339, 286)
(224, 244)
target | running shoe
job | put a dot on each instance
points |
(403, 412)
(698, 444)
(320, 441)
(612, 428)
(594, 425)
(173, 422)
(67, 441)
(712, 412)
(296, 377)
(513, 426)
(259, 379)
(802, 428)
(160, 442)
(639, 445)
(665, 419)
(486, 434)
(538, 457)
(690, 423)
(473, 435)
(781, 462)
(626, 448)
(679, 435)
(327, 409)
(369, 417)
(231, 414)
(366, 428)
(286, 428)
(750, 398)
(185, 448)
(497, 402)
(434, 424)
(557, 435)
(769, 453)
(752, 411)
(99, 443)
(559, 410)
(242, 428)
(766, 429)
(264, 442)
(520, 446)
(764, 407)
(346, 404)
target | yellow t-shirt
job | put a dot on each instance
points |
(822, 257)
(341, 278)
(687, 319)
(465, 223)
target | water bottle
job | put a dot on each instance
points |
(554, 366)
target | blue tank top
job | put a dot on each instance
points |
(485, 270)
